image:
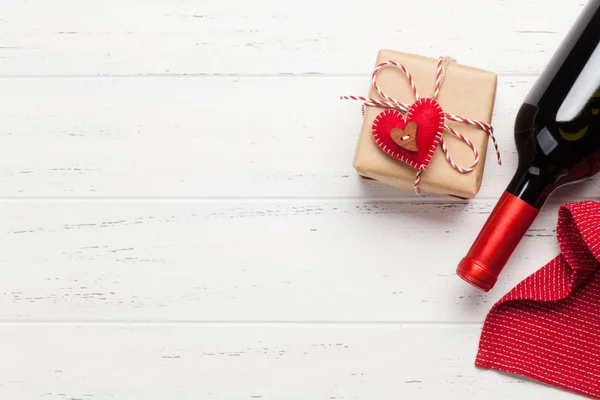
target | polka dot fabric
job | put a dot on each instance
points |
(548, 327)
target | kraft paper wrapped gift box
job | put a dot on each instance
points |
(466, 91)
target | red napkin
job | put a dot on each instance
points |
(548, 327)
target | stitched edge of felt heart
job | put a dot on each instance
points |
(396, 153)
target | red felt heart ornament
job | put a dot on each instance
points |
(414, 139)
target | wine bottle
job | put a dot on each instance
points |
(557, 134)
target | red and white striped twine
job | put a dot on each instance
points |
(390, 102)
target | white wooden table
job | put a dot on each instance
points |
(180, 218)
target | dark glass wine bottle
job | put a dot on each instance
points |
(557, 134)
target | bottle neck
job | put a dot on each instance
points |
(532, 185)
(497, 240)
(539, 175)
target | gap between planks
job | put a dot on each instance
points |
(241, 324)
(261, 199)
(313, 75)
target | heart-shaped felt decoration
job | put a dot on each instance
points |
(413, 139)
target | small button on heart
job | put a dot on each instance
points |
(407, 137)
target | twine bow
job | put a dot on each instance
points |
(391, 103)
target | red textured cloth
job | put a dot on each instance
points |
(548, 327)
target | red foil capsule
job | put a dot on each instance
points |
(506, 225)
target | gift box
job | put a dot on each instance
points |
(465, 91)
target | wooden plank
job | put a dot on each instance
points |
(208, 138)
(115, 37)
(303, 362)
(250, 260)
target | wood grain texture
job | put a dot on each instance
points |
(138, 37)
(139, 139)
(206, 138)
(303, 362)
(292, 261)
